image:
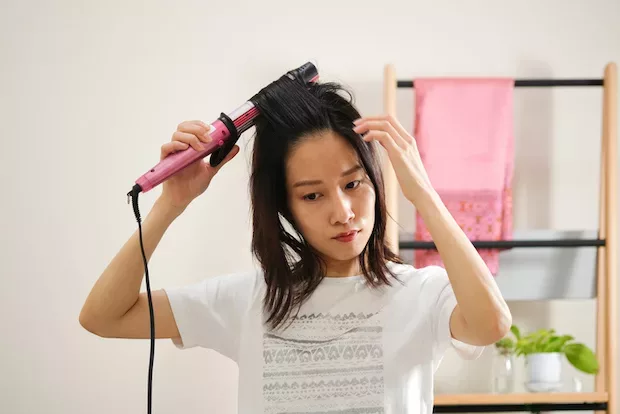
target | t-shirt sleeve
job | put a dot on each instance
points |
(442, 312)
(209, 314)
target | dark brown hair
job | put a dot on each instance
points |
(290, 111)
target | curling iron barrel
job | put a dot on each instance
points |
(224, 131)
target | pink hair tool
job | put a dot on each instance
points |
(225, 132)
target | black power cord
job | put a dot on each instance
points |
(134, 196)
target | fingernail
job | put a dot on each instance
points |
(357, 121)
(208, 137)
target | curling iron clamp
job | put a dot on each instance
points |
(224, 132)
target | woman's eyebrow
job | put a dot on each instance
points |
(315, 182)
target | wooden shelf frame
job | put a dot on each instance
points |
(524, 402)
(521, 398)
(605, 396)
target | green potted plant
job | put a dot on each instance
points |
(543, 351)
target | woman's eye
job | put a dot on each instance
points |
(314, 196)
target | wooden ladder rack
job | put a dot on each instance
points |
(604, 398)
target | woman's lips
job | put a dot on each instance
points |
(347, 237)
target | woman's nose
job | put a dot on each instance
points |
(342, 211)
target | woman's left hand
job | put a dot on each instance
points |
(402, 152)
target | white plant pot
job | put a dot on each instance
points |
(544, 371)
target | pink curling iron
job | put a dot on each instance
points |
(225, 132)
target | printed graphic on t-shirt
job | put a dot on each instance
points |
(325, 363)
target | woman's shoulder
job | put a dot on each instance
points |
(427, 282)
(408, 273)
(249, 280)
(239, 284)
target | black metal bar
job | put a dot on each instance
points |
(531, 82)
(491, 408)
(503, 244)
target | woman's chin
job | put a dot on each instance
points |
(346, 251)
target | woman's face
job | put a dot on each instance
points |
(331, 199)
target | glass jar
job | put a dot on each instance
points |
(503, 372)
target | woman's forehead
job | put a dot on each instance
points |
(326, 156)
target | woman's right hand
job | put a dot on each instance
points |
(183, 187)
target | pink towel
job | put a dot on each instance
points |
(464, 132)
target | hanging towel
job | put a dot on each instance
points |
(464, 132)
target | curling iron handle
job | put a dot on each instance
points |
(175, 162)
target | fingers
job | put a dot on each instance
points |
(393, 122)
(365, 125)
(384, 139)
(172, 147)
(188, 133)
(190, 139)
(197, 128)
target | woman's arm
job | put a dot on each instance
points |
(481, 316)
(115, 307)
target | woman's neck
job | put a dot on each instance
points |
(343, 268)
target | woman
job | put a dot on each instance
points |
(332, 321)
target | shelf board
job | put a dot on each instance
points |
(546, 273)
(505, 244)
(522, 402)
(521, 398)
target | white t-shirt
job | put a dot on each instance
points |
(351, 349)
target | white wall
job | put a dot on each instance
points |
(90, 90)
